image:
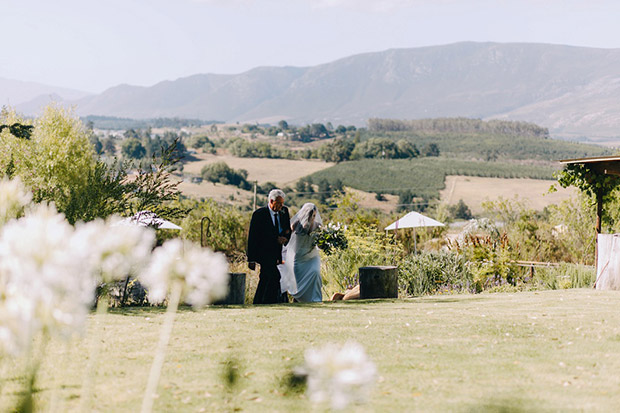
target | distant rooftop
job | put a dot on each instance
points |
(608, 165)
(595, 159)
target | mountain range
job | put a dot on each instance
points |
(574, 91)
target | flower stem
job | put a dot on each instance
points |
(164, 338)
(91, 367)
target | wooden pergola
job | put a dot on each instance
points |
(602, 165)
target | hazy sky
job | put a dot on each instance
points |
(95, 44)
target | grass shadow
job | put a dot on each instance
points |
(506, 406)
(452, 299)
(141, 311)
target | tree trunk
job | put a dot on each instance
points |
(236, 289)
(378, 282)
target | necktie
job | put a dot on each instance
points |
(277, 222)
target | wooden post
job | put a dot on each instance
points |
(378, 282)
(599, 210)
(599, 219)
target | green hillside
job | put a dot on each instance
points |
(424, 177)
(476, 139)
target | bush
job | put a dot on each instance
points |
(565, 275)
(227, 228)
(366, 246)
(435, 272)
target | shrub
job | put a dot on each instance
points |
(366, 246)
(565, 275)
(227, 228)
(435, 272)
(491, 253)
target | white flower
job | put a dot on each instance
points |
(43, 283)
(339, 374)
(114, 250)
(13, 198)
(203, 273)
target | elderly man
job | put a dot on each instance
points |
(270, 229)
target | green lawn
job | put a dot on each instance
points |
(532, 351)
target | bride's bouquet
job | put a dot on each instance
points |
(330, 237)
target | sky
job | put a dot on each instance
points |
(92, 45)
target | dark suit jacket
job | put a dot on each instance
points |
(263, 246)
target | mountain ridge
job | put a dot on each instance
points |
(574, 91)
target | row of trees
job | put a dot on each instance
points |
(380, 148)
(338, 150)
(459, 125)
(305, 133)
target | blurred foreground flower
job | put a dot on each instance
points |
(198, 275)
(114, 250)
(202, 273)
(338, 374)
(43, 285)
(13, 199)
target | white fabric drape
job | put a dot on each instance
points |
(302, 224)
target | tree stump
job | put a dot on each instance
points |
(236, 289)
(378, 282)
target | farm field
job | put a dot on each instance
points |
(530, 351)
(474, 190)
(280, 171)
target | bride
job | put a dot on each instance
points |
(301, 275)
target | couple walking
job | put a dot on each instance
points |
(273, 236)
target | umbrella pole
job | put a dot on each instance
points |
(415, 242)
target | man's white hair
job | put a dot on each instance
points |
(276, 193)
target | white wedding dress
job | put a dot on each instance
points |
(301, 271)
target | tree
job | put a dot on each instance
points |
(406, 150)
(18, 130)
(431, 150)
(460, 211)
(599, 187)
(224, 174)
(131, 133)
(59, 165)
(405, 199)
(324, 190)
(97, 145)
(108, 146)
(336, 151)
(132, 148)
(61, 156)
(283, 125)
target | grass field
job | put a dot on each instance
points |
(474, 190)
(422, 176)
(279, 171)
(534, 351)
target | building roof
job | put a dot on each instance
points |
(608, 165)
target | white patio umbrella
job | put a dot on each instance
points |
(148, 218)
(413, 220)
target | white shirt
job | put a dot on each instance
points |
(273, 218)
